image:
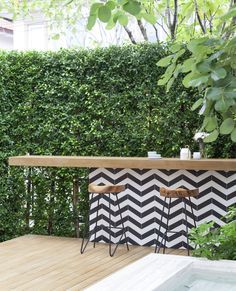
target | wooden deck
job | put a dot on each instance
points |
(35, 262)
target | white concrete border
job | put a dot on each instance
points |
(153, 271)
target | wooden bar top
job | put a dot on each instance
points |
(123, 162)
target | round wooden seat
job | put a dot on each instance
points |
(92, 188)
(178, 193)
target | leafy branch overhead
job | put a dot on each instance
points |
(117, 11)
(173, 19)
(211, 65)
(168, 19)
(211, 68)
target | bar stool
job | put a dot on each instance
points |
(183, 194)
(106, 190)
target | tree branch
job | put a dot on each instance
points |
(142, 29)
(175, 20)
(231, 31)
(172, 24)
(198, 17)
(162, 26)
(168, 14)
(211, 23)
(130, 34)
(156, 33)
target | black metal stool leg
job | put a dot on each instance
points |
(82, 248)
(186, 221)
(95, 228)
(117, 244)
(122, 222)
(159, 230)
(194, 217)
(110, 225)
(167, 225)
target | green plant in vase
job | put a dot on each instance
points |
(199, 137)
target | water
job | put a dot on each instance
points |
(204, 281)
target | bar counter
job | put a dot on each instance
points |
(141, 203)
(123, 162)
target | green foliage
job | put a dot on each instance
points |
(193, 18)
(211, 69)
(114, 11)
(216, 242)
(88, 102)
(182, 20)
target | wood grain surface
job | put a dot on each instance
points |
(123, 162)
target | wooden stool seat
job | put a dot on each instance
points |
(178, 193)
(93, 188)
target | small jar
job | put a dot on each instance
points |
(185, 153)
(196, 155)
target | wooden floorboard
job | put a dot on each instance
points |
(35, 262)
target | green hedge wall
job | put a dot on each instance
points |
(88, 102)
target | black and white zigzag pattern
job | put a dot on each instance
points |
(141, 203)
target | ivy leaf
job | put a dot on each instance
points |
(169, 71)
(104, 13)
(123, 19)
(195, 47)
(233, 135)
(162, 81)
(91, 21)
(227, 126)
(216, 55)
(230, 93)
(188, 65)
(175, 48)
(197, 104)
(211, 123)
(222, 105)
(164, 62)
(169, 84)
(212, 136)
(132, 7)
(214, 93)
(178, 54)
(198, 81)
(203, 67)
(117, 15)
(149, 18)
(111, 24)
(218, 73)
(177, 71)
(187, 79)
(111, 5)
(94, 8)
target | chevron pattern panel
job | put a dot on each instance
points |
(142, 206)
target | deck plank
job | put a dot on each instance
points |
(36, 262)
